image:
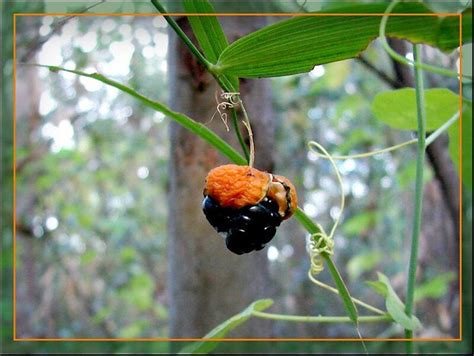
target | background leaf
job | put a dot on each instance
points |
(453, 133)
(397, 108)
(298, 44)
(223, 329)
(435, 287)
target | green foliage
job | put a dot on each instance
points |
(436, 287)
(454, 143)
(203, 347)
(407, 174)
(360, 223)
(207, 29)
(208, 32)
(298, 44)
(397, 108)
(449, 27)
(394, 305)
(184, 120)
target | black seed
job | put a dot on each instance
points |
(238, 241)
(269, 204)
(267, 234)
(245, 229)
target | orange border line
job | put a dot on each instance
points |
(276, 14)
(233, 339)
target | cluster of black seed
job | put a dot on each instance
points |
(245, 229)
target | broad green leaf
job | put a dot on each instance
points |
(449, 30)
(298, 44)
(208, 32)
(396, 308)
(434, 288)
(453, 133)
(397, 108)
(204, 347)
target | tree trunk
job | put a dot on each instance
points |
(207, 283)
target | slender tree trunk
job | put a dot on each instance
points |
(207, 283)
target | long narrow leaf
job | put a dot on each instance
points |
(311, 227)
(204, 347)
(298, 44)
(207, 29)
(208, 32)
(185, 121)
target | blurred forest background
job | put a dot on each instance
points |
(92, 178)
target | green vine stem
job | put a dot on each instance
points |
(208, 65)
(312, 228)
(322, 319)
(399, 58)
(355, 300)
(420, 159)
(235, 124)
(429, 140)
(221, 80)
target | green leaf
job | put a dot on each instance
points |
(207, 29)
(378, 287)
(312, 228)
(434, 288)
(298, 44)
(360, 223)
(208, 32)
(453, 133)
(204, 347)
(397, 108)
(407, 175)
(396, 308)
(195, 127)
(449, 30)
(343, 291)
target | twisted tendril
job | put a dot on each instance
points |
(320, 242)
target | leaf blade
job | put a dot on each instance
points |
(207, 29)
(397, 108)
(454, 144)
(298, 44)
(396, 308)
(224, 328)
(209, 33)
